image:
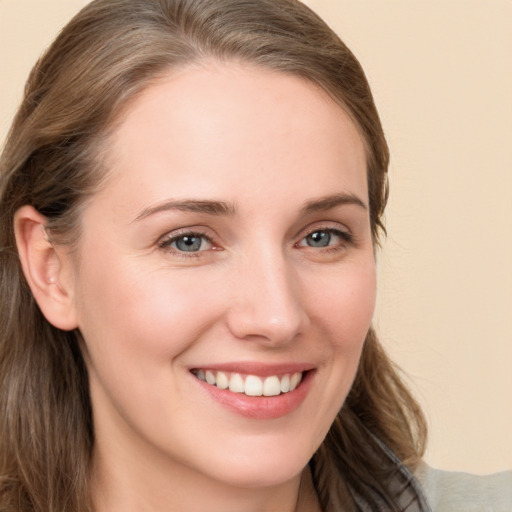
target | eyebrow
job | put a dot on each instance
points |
(221, 208)
(332, 201)
(190, 205)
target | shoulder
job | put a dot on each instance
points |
(448, 491)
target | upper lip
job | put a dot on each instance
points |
(256, 368)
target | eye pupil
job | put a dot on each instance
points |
(189, 243)
(319, 239)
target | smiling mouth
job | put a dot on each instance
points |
(250, 385)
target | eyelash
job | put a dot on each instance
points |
(166, 242)
(345, 236)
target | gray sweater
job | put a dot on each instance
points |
(447, 491)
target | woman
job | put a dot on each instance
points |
(191, 198)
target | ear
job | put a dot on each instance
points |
(48, 270)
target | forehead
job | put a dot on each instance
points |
(229, 127)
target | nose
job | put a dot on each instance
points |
(267, 300)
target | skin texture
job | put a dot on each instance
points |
(257, 291)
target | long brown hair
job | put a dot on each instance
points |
(52, 160)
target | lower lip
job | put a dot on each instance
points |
(261, 407)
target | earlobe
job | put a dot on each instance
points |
(45, 269)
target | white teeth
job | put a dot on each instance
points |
(236, 383)
(253, 385)
(210, 377)
(271, 386)
(222, 380)
(285, 384)
(294, 380)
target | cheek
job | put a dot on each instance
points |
(128, 312)
(136, 325)
(342, 308)
(345, 304)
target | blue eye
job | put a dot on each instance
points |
(187, 242)
(321, 238)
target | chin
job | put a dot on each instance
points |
(261, 463)
(272, 473)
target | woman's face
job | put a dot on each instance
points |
(230, 246)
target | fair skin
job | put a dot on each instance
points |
(231, 239)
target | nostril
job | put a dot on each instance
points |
(273, 331)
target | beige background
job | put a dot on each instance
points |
(442, 77)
